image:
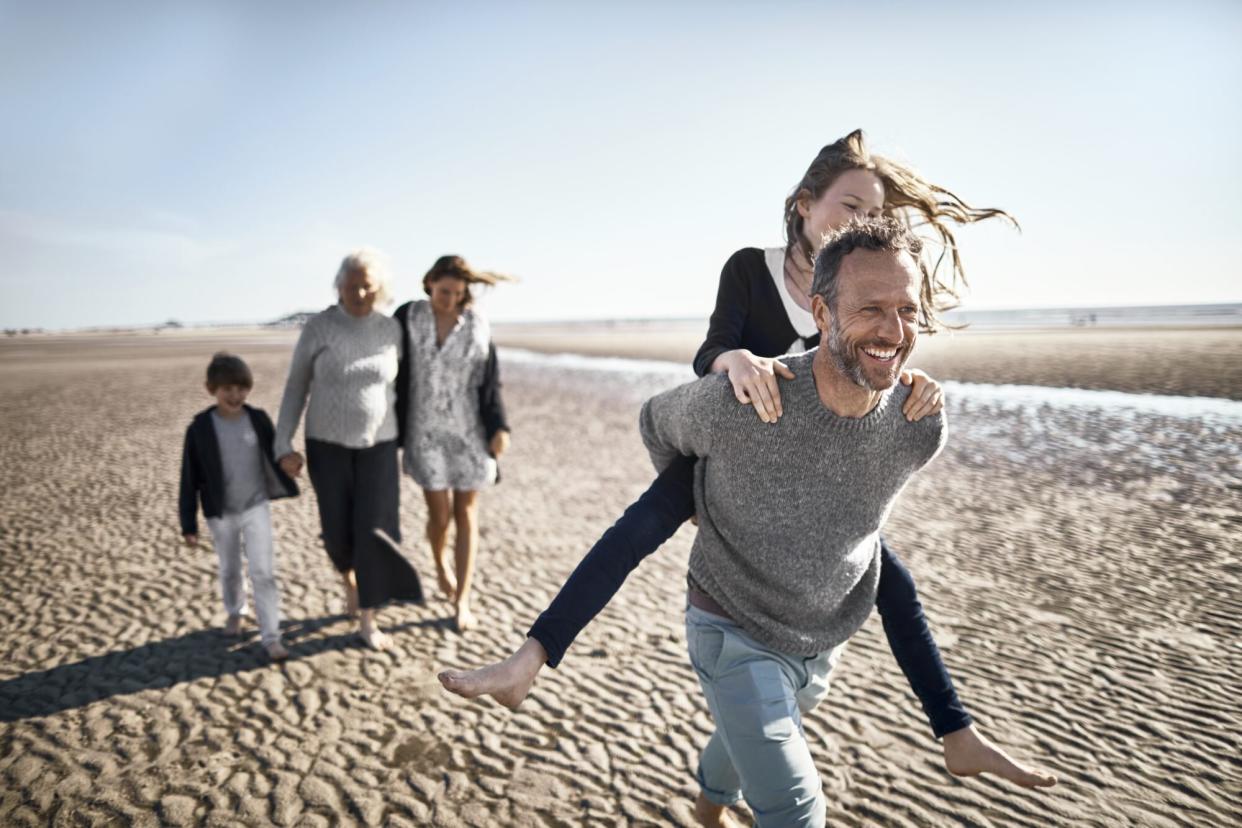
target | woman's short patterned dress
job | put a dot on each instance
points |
(446, 444)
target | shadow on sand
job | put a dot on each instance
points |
(163, 664)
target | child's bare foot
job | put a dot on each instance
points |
(711, 815)
(968, 753)
(233, 626)
(446, 580)
(276, 650)
(351, 593)
(506, 681)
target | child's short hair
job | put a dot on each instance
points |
(228, 369)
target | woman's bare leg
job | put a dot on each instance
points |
(439, 512)
(506, 681)
(466, 517)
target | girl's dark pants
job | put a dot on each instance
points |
(657, 514)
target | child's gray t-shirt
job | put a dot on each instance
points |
(241, 461)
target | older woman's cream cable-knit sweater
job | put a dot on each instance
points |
(347, 365)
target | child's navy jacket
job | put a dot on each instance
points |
(202, 476)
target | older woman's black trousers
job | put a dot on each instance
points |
(359, 493)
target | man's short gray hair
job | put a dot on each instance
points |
(375, 264)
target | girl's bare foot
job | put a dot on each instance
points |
(711, 815)
(233, 626)
(351, 593)
(968, 753)
(506, 681)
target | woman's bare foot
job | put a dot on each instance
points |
(711, 815)
(233, 626)
(351, 593)
(465, 619)
(371, 634)
(506, 681)
(446, 579)
(969, 753)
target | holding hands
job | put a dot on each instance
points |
(291, 464)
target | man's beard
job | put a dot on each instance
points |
(847, 360)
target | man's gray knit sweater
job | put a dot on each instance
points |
(789, 513)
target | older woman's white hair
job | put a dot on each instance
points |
(375, 264)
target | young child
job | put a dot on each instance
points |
(227, 463)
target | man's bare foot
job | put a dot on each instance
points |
(969, 753)
(465, 619)
(506, 681)
(233, 626)
(351, 593)
(448, 583)
(711, 815)
(276, 650)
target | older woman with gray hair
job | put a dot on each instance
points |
(343, 375)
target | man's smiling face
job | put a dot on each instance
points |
(874, 322)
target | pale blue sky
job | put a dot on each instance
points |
(214, 161)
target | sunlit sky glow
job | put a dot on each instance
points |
(214, 161)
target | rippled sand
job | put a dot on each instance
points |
(1080, 566)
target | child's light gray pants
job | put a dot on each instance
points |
(250, 531)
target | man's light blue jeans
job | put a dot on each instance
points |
(757, 696)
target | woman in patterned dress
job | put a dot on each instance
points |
(454, 427)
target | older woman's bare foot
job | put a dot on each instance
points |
(351, 593)
(969, 753)
(711, 815)
(506, 681)
(370, 632)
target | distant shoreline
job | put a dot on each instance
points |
(1181, 360)
(1218, 314)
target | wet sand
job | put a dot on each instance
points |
(1081, 568)
(1184, 361)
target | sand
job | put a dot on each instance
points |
(1181, 361)
(1080, 567)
